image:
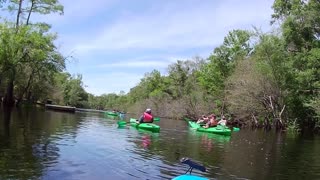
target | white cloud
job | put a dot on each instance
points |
(155, 61)
(197, 25)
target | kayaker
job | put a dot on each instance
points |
(223, 121)
(204, 119)
(146, 117)
(212, 121)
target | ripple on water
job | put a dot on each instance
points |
(89, 146)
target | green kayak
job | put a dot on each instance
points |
(222, 130)
(122, 123)
(112, 113)
(156, 119)
(146, 126)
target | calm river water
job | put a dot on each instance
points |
(39, 144)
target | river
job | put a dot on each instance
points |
(40, 144)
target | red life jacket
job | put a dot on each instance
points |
(147, 117)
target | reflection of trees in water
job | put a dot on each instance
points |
(298, 158)
(269, 155)
(16, 160)
(28, 142)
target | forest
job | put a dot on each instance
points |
(257, 79)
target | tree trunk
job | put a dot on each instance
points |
(8, 98)
(19, 13)
(29, 96)
(254, 121)
(26, 89)
(30, 11)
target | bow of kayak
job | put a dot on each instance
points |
(189, 177)
(193, 124)
(111, 113)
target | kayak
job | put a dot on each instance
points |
(146, 126)
(189, 177)
(222, 130)
(112, 113)
(195, 125)
(121, 123)
(156, 119)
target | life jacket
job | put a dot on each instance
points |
(147, 117)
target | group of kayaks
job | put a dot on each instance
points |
(220, 130)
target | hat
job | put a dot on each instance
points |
(148, 110)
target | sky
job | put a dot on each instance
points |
(113, 43)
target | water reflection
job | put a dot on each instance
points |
(30, 141)
(38, 144)
(17, 160)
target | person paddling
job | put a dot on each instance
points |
(203, 120)
(223, 121)
(146, 117)
(212, 121)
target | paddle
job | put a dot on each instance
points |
(123, 122)
(192, 165)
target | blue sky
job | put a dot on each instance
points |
(115, 42)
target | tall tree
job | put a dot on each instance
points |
(25, 50)
(236, 46)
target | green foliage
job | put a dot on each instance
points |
(301, 21)
(69, 90)
(29, 58)
(28, 50)
(221, 63)
(293, 128)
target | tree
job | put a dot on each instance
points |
(22, 43)
(236, 46)
(300, 26)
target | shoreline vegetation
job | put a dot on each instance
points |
(263, 80)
